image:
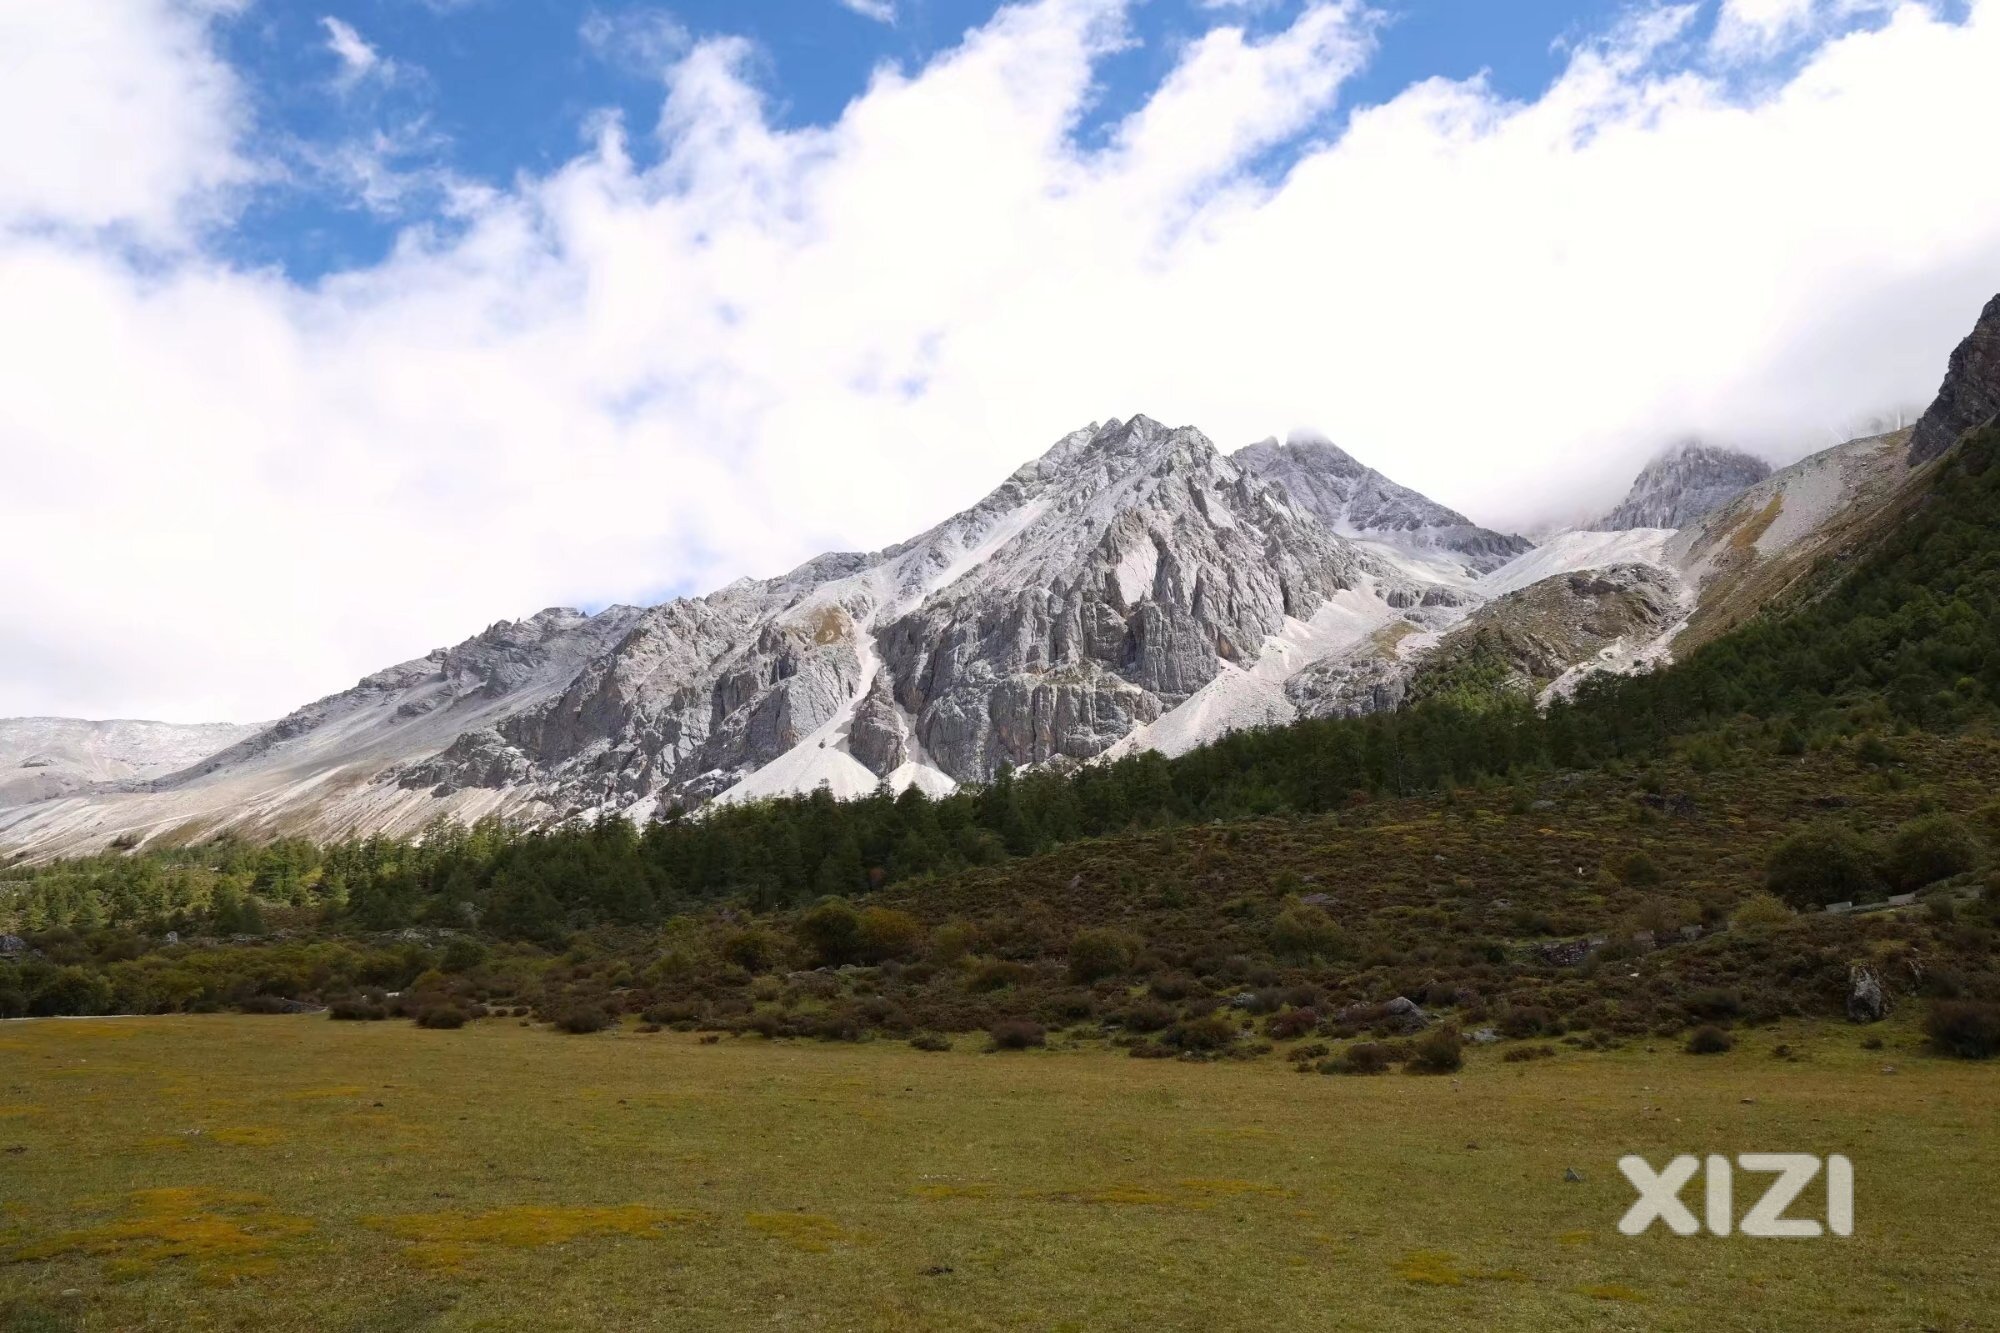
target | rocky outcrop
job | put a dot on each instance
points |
(1867, 1002)
(1683, 484)
(1970, 395)
(1528, 639)
(879, 738)
(1353, 684)
(1357, 501)
(1152, 561)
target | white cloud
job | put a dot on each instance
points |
(642, 39)
(732, 346)
(882, 11)
(115, 114)
(358, 60)
(1746, 29)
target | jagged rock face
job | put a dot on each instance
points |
(1150, 559)
(1358, 501)
(1970, 395)
(1683, 484)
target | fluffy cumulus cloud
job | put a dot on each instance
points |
(115, 113)
(708, 346)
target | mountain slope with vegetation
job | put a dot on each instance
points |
(1469, 852)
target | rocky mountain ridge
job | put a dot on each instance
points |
(1131, 588)
(1682, 484)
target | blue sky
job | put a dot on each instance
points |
(489, 88)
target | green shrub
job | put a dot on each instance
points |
(1638, 870)
(882, 934)
(1302, 931)
(1709, 1040)
(999, 974)
(1821, 864)
(445, 1017)
(931, 1041)
(583, 1019)
(1362, 1057)
(953, 941)
(1969, 1029)
(1145, 1016)
(1760, 910)
(1439, 1051)
(463, 954)
(1018, 1034)
(1291, 1024)
(1211, 1032)
(1927, 850)
(363, 1011)
(754, 949)
(831, 930)
(1097, 954)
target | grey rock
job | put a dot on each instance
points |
(1351, 684)
(1683, 484)
(1867, 1001)
(1357, 501)
(1483, 1036)
(1970, 394)
(879, 735)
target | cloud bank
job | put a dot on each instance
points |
(708, 347)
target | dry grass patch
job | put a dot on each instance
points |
(448, 1241)
(222, 1234)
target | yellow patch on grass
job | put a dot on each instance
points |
(976, 1190)
(804, 1231)
(446, 1241)
(216, 1231)
(249, 1136)
(1233, 1187)
(1434, 1268)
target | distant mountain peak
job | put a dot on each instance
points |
(1357, 501)
(1684, 482)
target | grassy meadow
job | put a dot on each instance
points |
(287, 1172)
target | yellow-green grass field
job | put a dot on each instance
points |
(279, 1173)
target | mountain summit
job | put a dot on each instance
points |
(1683, 484)
(1357, 501)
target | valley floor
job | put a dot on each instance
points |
(292, 1173)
